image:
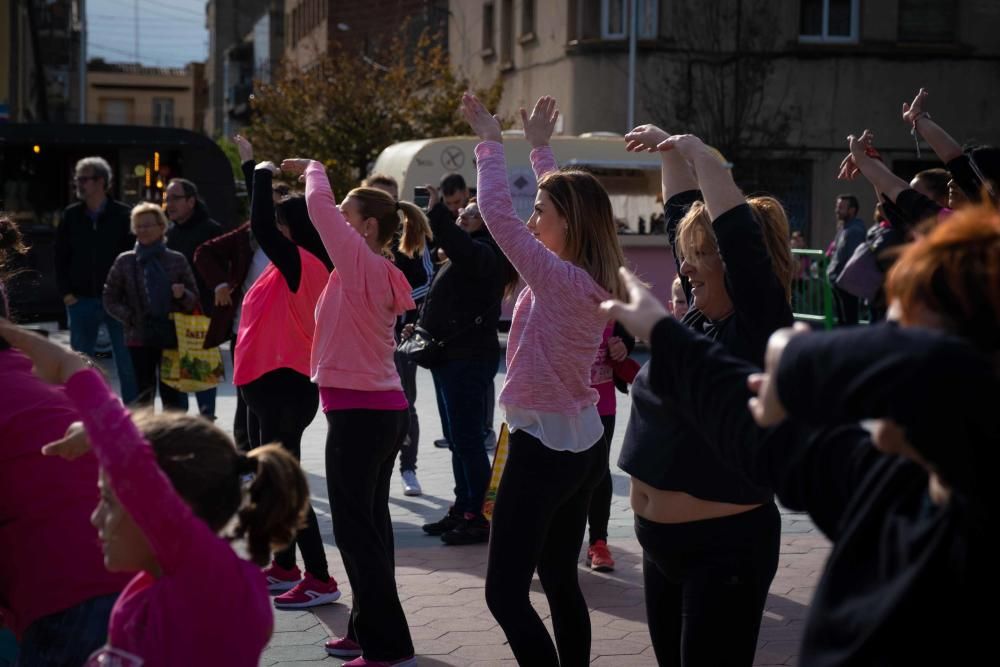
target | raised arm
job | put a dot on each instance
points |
(714, 178)
(245, 150)
(342, 242)
(462, 249)
(530, 257)
(942, 143)
(879, 175)
(538, 128)
(283, 252)
(675, 172)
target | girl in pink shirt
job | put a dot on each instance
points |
(166, 492)
(568, 255)
(361, 395)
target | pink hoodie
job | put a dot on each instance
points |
(353, 344)
(557, 324)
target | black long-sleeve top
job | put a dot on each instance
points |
(900, 582)
(659, 447)
(469, 285)
(282, 252)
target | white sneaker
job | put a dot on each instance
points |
(411, 487)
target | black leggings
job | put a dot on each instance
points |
(361, 449)
(539, 520)
(706, 585)
(284, 403)
(600, 502)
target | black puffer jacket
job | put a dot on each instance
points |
(469, 285)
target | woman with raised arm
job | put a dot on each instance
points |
(971, 171)
(271, 367)
(909, 507)
(362, 397)
(709, 534)
(568, 256)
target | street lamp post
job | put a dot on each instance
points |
(632, 38)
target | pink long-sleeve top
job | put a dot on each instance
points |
(353, 344)
(209, 606)
(51, 558)
(557, 325)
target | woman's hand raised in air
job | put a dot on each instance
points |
(295, 166)
(483, 123)
(538, 127)
(645, 138)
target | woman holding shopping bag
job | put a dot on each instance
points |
(144, 286)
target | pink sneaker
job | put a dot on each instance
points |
(343, 648)
(310, 592)
(364, 662)
(279, 579)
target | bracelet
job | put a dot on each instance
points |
(922, 114)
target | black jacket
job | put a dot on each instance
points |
(901, 566)
(85, 251)
(469, 285)
(185, 239)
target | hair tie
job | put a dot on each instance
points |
(246, 465)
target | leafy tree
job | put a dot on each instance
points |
(347, 107)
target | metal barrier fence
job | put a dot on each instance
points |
(812, 297)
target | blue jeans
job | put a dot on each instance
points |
(85, 317)
(205, 399)
(463, 389)
(67, 637)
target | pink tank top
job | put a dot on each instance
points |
(276, 327)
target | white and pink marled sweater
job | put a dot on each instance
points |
(557, 324)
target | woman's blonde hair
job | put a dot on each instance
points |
(378, 204)
(148, 207)
(695, 234)
(591, 233)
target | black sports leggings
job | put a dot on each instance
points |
(706, 584)
(361, 449)
(538, 522)
(600, 502)
(284, 403)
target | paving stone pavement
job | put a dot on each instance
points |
(441, 588)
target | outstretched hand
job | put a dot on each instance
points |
(295, 166)
(71, 446)
(766, 406)
(861, 148)
(539, 125)
(483, 123)
(645, 138)
(642, 311)
(687, 145)
(53, 362)
(243, 147)
(913, 110)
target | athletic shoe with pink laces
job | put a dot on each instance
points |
(343, 648)
(279, 579)
(310, 592)
(599, 557)
(364, 662)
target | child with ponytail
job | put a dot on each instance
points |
(169, 487)
(363, 399)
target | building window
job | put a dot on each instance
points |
(614, 19)
(927, 21)
(649, 19)
(163, 111)
(833, 21)
(527, 19)
(488, 29)
(115, 111)
(506, 33)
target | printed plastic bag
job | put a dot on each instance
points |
(191, 368)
